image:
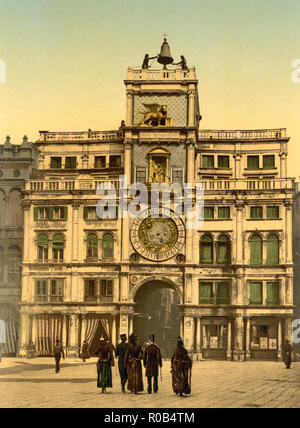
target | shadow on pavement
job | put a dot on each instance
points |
(24, 366)
(47, 380)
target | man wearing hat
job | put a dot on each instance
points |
(133, 357)
(120, 353)
(152, 359)
(287, 354)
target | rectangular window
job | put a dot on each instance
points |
(268, 161)
(256, 296)
(208, 213)
(223, 293)
(207, 161)
(256, 213)
(206, 293)
(115, 161)
(106, 288)
(272, 293)
(223, 161)
(90, 213)
(50, 213)
(90, 288)
(41, 290)
(71, 162)
(253, 162)
(273, 213)
(55, 162)
(224, 213)
(100, 161)
(56, 289)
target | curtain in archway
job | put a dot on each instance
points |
(10, 319)
(49, 329)
(91, 328)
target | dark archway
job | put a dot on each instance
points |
(157, 312)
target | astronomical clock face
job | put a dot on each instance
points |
(157, 238)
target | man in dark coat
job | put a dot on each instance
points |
(85, 351)
(287, 354)
(120, 353)
(58, 351)
(133, 357)
(152, 359)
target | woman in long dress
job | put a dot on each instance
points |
(132, 360)
(181, 366)
(104, 379)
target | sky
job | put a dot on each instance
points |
(65, 62)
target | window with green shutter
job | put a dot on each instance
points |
(223, 161)
(206, 293)
(92, 246)
(273, 293)
(273, 213)
(41, 287)
(55, 162)
(224, 213)
(71, 162)
(90, 288)
(222, 293)
(255, 250)
(256, 296)
(206, 250)
(208, 213)
(256, 213)
(253, 162)
(207, 161)
(58, 247)
(223, 250)
(272, 245)
(107, 246)
(106, 288)
(268, 161)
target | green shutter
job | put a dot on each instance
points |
(208, 213)
(256, 212)
(273, 212)
(256, 293)
(223, 161)
(92, 241)
(223, 293)
(268, 161)
(207, 161)
(224, 212)
(58, 242)
(50, 213)
(256, 250)
(43, 240)
(206, 293)
(85, 212)
(65, 213)
(35, 213)
(206, 250)
(253, 162)
(272, 250)
(272, 293)
(223, 250)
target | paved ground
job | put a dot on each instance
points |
(33, 383)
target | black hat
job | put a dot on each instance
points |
(133, 337)
(123, 336)
(152, 337)
(179, 341)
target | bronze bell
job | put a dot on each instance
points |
(165, 55)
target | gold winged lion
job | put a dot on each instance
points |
(156, 115)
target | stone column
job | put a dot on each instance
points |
(73, 336)
(75, 231)
(130, 325)
(181, 320)
(247, 351)
(113, 331)
(191, 162)
(282, 292)
(238, 353)
(127, 162)
(289, 234)
(26, 231)
(129, 104)
(283, 161)
(83, 327)
(198, 338)
(33, 329)
(191, 108)
(289, 290)
(124, 325)
(24, 339)
(239, 232)
(188, 332)
(229, 340)
(279, 340)
(188, 288)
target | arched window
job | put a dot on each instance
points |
(14, 266)
(2, 209)
(58, 248)
(223, 250)
(272, 249)
(15, 210)
(92, 246)
(108, 246)
(43, 245)
(206, 250)
(255, 250)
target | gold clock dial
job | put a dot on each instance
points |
(158, 234)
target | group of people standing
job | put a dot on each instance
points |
(130, 358)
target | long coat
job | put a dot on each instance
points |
(133, 357)
(181, 371)
(120, 353)
(152, 359)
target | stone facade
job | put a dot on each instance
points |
(17, 163)
(231, 280)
